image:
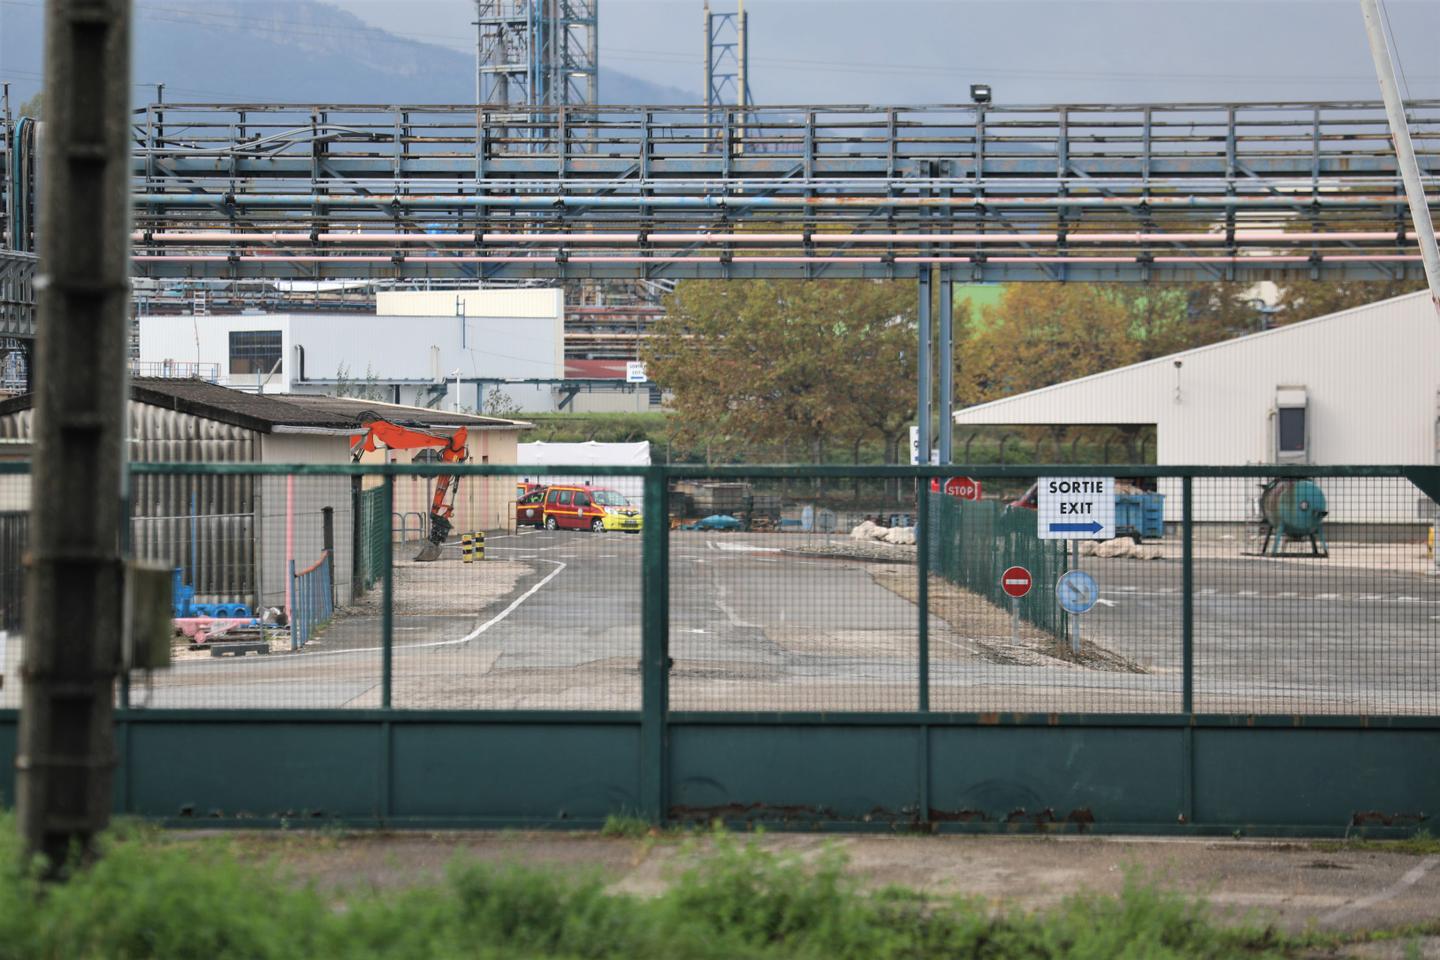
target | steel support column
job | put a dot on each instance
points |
(73, 600)
(946, 424)
(923, 363)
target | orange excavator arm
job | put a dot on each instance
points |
(452, 450)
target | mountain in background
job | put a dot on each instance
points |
(279, 50)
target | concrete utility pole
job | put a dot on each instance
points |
(73, 588)
(1404, 151)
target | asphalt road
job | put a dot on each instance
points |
(753, 627)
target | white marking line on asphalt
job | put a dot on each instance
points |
(1327, 596)
(434, 643)
(1409, 879)
(1248, 593)
(740, 547)
(503, 613)
(1106, 603)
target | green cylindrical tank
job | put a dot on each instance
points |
(1293, 508)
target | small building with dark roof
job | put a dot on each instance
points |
(234, 536)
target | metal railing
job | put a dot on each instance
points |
(312, 592)
(1090, 191)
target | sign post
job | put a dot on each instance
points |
(1016, 582)
(1077, 592)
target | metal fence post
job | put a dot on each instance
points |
(922, 592)
(327, 540)
(387, 596)
(1187, 597)
(295, 607)
(655, 648)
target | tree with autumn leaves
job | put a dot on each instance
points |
(804, 367)
(793, 369)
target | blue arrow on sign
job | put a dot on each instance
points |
(1094, 526)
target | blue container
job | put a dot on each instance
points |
(1140, 515)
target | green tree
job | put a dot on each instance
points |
(33, 107)
(792, 363)
(498, 403)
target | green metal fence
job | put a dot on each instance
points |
(372, 528)
(973, 542)
(787, 673)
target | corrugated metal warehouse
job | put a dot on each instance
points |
(1356, 387)
(233, 536)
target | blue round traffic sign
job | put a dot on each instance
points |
(1077, 591)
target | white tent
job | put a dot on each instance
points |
(591, 454)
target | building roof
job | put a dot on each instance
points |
(1053, 403)
(283, 413)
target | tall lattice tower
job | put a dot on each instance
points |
(727, 60)
(536, 52)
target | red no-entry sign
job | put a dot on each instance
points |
(1016, 581)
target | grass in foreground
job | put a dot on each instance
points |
(173, 902)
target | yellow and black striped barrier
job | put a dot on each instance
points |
(472, 546)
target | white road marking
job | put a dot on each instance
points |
(1327, 596)
(1409, 879)
(741, 547)
(503, 613)
(1106, 603)
(1248, 593)
(416, 646)
(1129, 589)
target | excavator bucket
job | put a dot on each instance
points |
(440, 527)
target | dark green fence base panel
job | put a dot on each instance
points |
(239, 771)
(1322, 778)
(554, 772)
(985, 773)
(792, 773)
(1044, 776)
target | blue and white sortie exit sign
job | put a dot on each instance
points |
(1076, 508)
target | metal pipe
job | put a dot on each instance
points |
(708, 239)
(922, 378)
(1404, 150)
(451, 201)
(946, 421)
(553, 258)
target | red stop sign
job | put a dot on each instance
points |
(1016, 581)
(963, 487)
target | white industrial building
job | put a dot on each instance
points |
(446, 349)
(1356, 387)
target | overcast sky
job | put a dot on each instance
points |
(896, 51)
